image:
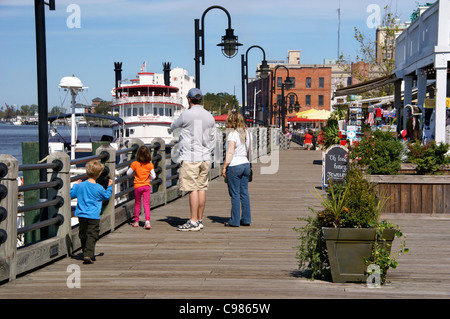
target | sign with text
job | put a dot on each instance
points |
(334, 164)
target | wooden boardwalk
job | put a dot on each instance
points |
(247, 262)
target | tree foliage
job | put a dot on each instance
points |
(220, 103)
(104, 107)
(382, 65)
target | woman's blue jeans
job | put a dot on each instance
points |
(237, 180)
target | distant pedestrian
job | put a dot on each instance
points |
(236, 169)
(308, 140)
(144, 172)
(197, 142)
(89, 197)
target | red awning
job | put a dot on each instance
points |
(303, 120)
(220, 118)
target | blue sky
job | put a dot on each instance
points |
(157, 31)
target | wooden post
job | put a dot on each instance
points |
(160, 196)
(30, 155)
(108, 209)
(8, 226)
(64, 230)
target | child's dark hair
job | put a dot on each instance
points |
(143, 155)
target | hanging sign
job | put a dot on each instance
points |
(351, 132)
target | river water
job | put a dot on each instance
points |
(12, 136)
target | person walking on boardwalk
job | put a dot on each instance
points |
(308, 141)
(236, 168)
(144, 172)
(196, 144)
(89, 197)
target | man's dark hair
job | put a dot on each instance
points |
(196, 100)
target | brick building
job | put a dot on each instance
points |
(311, 88)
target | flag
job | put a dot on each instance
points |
(370, 119)
(143, 66)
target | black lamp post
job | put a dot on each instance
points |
(263, 71)
(229, 42)
(286, 85)
(41, 61)
(296, 105)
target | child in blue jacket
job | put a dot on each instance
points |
(90, 196)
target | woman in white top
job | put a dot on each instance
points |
(236, 169)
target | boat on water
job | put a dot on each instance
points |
(150, 103)
(75, 143)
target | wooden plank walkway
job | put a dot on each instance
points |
(247, 262)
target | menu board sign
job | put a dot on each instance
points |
(334, 164)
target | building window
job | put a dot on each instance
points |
(292, 86)
(320, 100)
(279, 99)
(308, 82)
(291, 99)
(321, 83)
(308, 100)
(279, 81)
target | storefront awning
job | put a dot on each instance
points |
(220, 118)
(304, 120)
(366, 86)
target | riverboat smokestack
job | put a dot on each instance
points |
(166, 69)
(118, 70)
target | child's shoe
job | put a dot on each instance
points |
(147, 225)
(135, 224)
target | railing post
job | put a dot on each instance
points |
(9, 171)
(215, 166)
(254, 150)
(108, 210)
(159, 152)
(173, 160)
(63, 173)
(275, 139)
(263, 141)
(218, 151)
(131, 142)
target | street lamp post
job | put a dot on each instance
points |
(286, 85)
(229, 42)
(296, 105)
(263, 71)
(41, 62)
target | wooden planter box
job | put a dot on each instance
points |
(414, 194)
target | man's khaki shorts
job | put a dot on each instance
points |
(194, 176)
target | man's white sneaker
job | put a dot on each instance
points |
(189, 225)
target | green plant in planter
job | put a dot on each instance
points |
(351, 204)
(382, 255)
(331, 133)
(378, 152)
(429, 157)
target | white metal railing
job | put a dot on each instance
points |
(146, 99)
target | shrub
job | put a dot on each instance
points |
(361, 202)
(378, 152)
(429, 157)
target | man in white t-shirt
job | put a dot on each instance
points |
(196, 144)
